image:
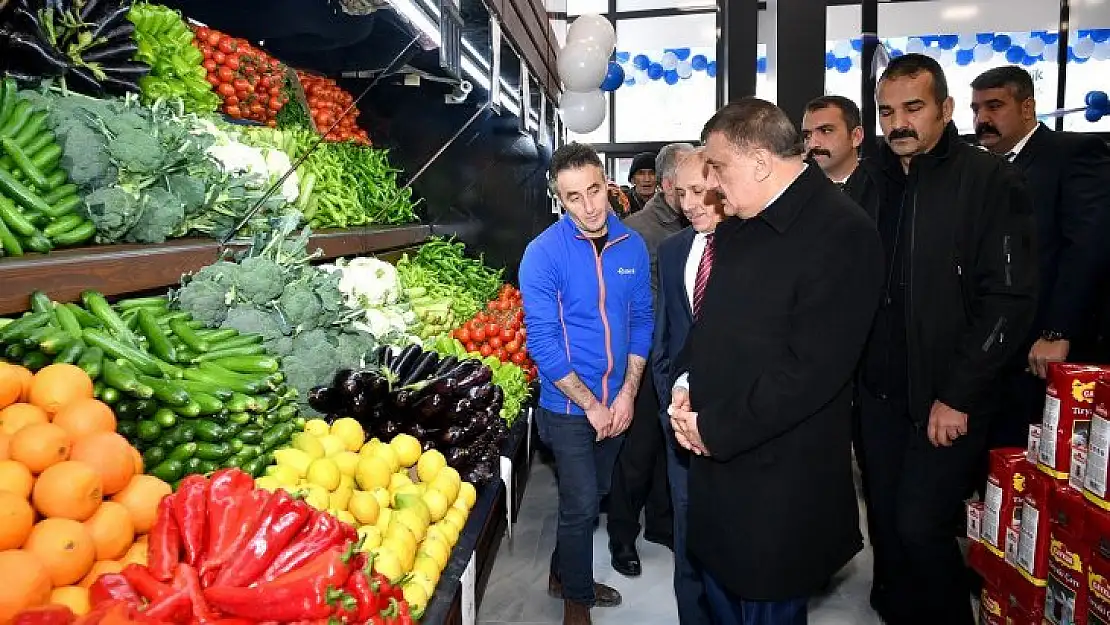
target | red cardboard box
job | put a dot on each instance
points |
(1002, 499)
(1069, 554)
(1066, 421)
(1032, 556)
(1098, 572)
(1096, 483)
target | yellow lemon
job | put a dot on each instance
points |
(311, 445)
(406, 552)
(443, 533)
(388, 564)
(411, 519)
(467, 493)
(268, 482)
(347, 461)
(383, 497)
(423, 581)
(340, 499)
(371, 473)
(346, 481)
(397, 481)
(369, 446)
(385, 515)
(416, 597)
(407, 449)
(332, 445)
(316, 496)
(457, 518)
(430, 464)
(371, 537)
(436, 550)
(446, 484)
(364, 506)
(385, 452)
(346, 517)
(316, 427)
(324, 472)
(284, 474)
(296, 459)
(411, 500)
(436, 503)
(350, 432)
(426, 567)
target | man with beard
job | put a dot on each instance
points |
(832, 133)
(959, 294)
(1067, 174)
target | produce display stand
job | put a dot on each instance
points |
(122, 269)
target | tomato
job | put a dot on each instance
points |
(220, 57)
(479, 335)
(225, 74)
(492, 305)
(485, 351)
(214, 38)
(226, 90)
(228, 46)
(232, 101)
(233, 111)
(210, 65)
(493, 329)
(213, 80)
(512, 346)
(507, 335)
(202, 33)
(471, 347)
(495, 341)
(518, 358)
(501, 355)
(232, 63)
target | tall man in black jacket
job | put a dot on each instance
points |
(959, 296)
(782, 299)
(1068, 175)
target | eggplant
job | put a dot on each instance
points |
(323, 399)
(479, 474)
(487, 454)
(445, 365)
(120, 34)
(427, 446)
(481, 375)
(481, 396)
(447, 383)
(30, 22)
(428, 407)
(92, 9)
(386, 356)
(456, 456)
(462, 410)
(31, 55)
(405, 398)
(425, 366)
(120, 85)
(82, 80)
(497, 398)
(112, 52)
(405, 361)
(339, 381)
(388, 429)
(362, 407)
(417, 431)
(110, 20)
(453, 436)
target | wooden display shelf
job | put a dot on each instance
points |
(121, 269)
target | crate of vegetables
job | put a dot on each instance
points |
(499, 331)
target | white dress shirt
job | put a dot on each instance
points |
(1013, 154)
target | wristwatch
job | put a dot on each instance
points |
(1052, 336)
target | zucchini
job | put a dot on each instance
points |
(100, 307)
(157, 342)
(168, 470)
(157, 302)
(166, 391)
(121, 378)
(188, 336)
(247, 364)
(91, 361)
(208, 430)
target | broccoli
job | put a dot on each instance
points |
(354, 348)
(113, 211)
(85, 159)
(224, 272)
(250, 320)
(162, 213)
(136, 151)
(311, 363)
(128, 121)
(300, 306)
(327, 289)
(281, 346)
(205, 300)
(190, 190)
(260, 280)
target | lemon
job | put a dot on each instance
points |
(385, 515)
(296, 459)
(407, 449)
(369, 446)
(371, 537)
(268, 482)
(400, 533)
(350, 432)
(426, 567)
(388, 564)
(346, 481)
(316, 496)
(412, 501)
(397, 481)
(416, 596)
(467, 493)
(411, 519)
(385, 452)
(460, 505)
(383, 497)
(436, 503)
(284, 474)
(441, 533)
(430, 464)
(406, 553)
(340, 499)
(346, 517)
(347, 461)
(309, 444)
(446, 484)
(324, 472)
(332, 445)
(364, 506)
(457, 518)
(436, 550)
(316, 427)
(371, 473)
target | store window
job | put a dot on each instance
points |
(647, 5)
(620, 170)
(1088, 61)
(583, 7)
(671, 69)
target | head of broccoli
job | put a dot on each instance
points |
(261, 280)
(251, 320)
(205, 300)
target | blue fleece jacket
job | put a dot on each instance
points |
(585, 312)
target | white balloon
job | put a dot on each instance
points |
(1035, 46)
(843, 48)
(1051, 50)
(947, 57)
(593, 29)
(669, 61)
(582, 67)
(641, 77)
(685, 69)
(983, 53)
(1085, 47)
(968, 41)
(582, 112)
(915, 45)
(1019, 39)
(1102, 51)
(933, 52)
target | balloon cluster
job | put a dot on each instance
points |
(676, 64)
(1098, 105)
(587, 72)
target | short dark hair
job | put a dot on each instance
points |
(1011, 77)
(911, 65)
(751, 122)
(848, 109)
(573, 155)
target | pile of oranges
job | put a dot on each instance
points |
(74, 503)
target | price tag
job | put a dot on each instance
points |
(507, 477)
(528, 438)
(468, 609)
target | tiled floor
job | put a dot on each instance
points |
(517, 595)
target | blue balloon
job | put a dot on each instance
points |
(1001, 43)
(1030, 60)
(640, 61)
(984, 38)
(761, 65)
(655, 71)
(830, 60)
(857, 45)
(949, 42)
(699, 62)
(622, 57)
(964, 57)
(1092, 114)
(844, 64)
(670, 77)
(1097, 99)
(614, 78)
(895, 53)
(1015, 54)
(1100, 34)
(682, 53)
(629, 82)
(711, 69)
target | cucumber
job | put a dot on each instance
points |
(149, 430)
(206, 467)
(35, 360)
(208, 430)
(238, 418)
(217, 335)
(255, 467)
(193, 387)
(18, 118)
(222, 380)
(184, 451)
(251, 435)
(109, 395)
(123, 379)
(56, 342)
(247, 364)
(60, 193)
(126, 409)
(91, 361)
(71, 352)
(240, 403)
(168, 470)
(213, 451)
(37, 242)
(84, 317)
(56, 179)
(65, 206)
(46, 159)
(193, 465)
(15, 220)
(156, 301)
(128, 430)
(157, 342)
(39, 143)
(9, 98)
(97, 305)
(40, 334)
(208, 404)
(190, 409)
(67, 320)
(40, 302)
(166, 391)
(232, 352)
(153, 456)
(165, 418)
(276, 435)
(23, 162)
(15, 351)
(9, 243)
(20, 193)
(188, 336)
(117, 349)
(30, 130)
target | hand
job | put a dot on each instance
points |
(680, 400)
(1044, 352)
(623, 407)
(601, 418)
(945, 425)
(685, 426)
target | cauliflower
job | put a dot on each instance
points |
(369, 282)
(242, 160)
(277, 163)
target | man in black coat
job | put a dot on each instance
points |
(1068, 175)
(763, 392)
(959, 295)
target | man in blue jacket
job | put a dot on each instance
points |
(586, 282)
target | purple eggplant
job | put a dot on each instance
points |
(362, 407)
(417, 431)
(445, 365)
(28, 54)
(323, 399)
(479, 376)
(456, 456)
(481, 473)
(388, 429)
(405, 361)
(427, 446)
(110, 20)
(112, 52)
(428, 407)
(83, 81)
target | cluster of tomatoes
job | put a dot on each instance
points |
(248, 80)
(499, 331)
(326, 103)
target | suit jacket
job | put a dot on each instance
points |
(1068, 175)
(673, 315)
(792, 293)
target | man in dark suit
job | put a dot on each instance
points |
(763, 395)
(1068, 175)
(833, 134)
(679, 257)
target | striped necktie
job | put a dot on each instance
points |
(702, 279)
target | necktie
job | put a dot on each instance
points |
(840, 185)
(704, 267)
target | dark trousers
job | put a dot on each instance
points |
(727, 609)
(689, 589)
(916, 498)
(583, 466)
(640, 476)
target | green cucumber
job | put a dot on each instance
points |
(188, 336)
(208, 404)
(206, 467)
(126, 409)
(18, 118)
(277, 435)
(193, 466)
(153, 456)
(194, 387)
(46, 159)
(149, 430)
(189, 410)
(40, 142)
(238, 341)
(184, 451)
(130, 431)
(155, 301)
(232, 352)
(9, 243)
(239, 418)
(65, 206)
(222, 380)
(56, 179)
(208, 430)
(84, 317)
(9, 98)
(117, 349)
(251, 435)
(38, 242)
(97, 305)
(16, 220)
(255, 467)
(61, 193)
(110, 395)
(123, 379)
(168, 470)
(157, 342)
(165, 417)
(217, 335)
(40, 302)
(71, 352)
(21, 194)
(40, 334)
(247, 364)
(31, 129)
(56, 342)
(23, 162)
(15, 351)
(67, 320)
(91, 361)
(166, 391)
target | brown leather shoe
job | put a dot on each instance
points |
(604, 596)
(575, 613)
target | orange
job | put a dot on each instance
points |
(11, 385)
(59, 384)
(67, 490)
(137, 554)
(141, 497)
(75, 598)
(110, 455)
(5, 446)
(16, 478)
(16, 416)
(16, 520)
(24, 583)
(137, 458)
(65, 549)
(85, 416)
(40, 446)
(21, 374)
(112, 530)
(100, 567)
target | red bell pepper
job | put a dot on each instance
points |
(281, 519)
(322, 533)
(228, 490)
(397, 613)
(113, 587)
(174, 608)
(296, 596)
(116, 613)
(362, 589)
(164, 550)
(189, 583)
(387, 590)
(144, 583)
(190, 509)
(229, 536)
(45, 615)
